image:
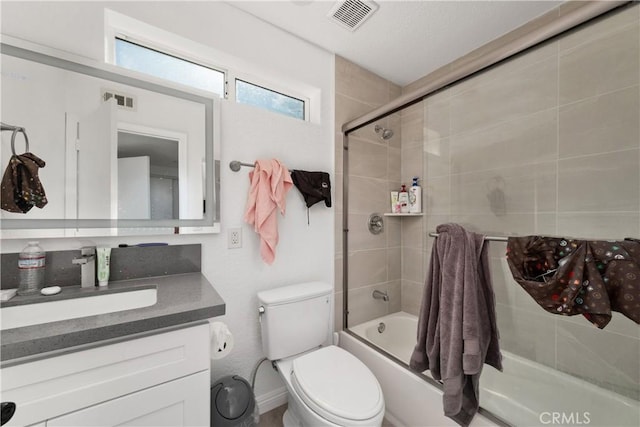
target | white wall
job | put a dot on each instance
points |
(305, 251)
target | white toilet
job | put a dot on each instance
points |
(327, 385)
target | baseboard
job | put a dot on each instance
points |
(391, 419)
(271, 400)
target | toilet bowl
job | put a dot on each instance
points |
(330, 387)
(327, 386)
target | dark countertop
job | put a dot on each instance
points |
(181, 299)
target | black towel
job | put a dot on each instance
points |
(314, 186)
(21, 188)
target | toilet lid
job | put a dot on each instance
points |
(336, 385)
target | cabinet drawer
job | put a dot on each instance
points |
(182, 402)
(58, 385)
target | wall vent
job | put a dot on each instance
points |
(125, 101)
(350, 14)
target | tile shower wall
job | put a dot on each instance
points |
(413, 262)
(374, 169)
(546, 143)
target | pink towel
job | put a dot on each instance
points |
(270, 183)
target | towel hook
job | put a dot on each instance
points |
(13, 139)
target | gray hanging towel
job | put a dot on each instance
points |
(314, 186)
(21, 188)
(457, 330)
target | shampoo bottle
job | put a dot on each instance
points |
(403, 200)
(415, 197)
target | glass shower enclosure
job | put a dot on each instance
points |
(546, 142)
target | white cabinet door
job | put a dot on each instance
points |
(182, 402)
(49, 388)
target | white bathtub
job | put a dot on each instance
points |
(525, 394)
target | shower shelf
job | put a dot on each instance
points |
(403, 214)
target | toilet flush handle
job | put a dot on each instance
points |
(260, 312)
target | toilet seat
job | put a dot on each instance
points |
(337, 386)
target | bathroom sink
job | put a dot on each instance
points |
(84, 305)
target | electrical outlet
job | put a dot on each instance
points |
(234, 238)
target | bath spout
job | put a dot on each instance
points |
(381, 295)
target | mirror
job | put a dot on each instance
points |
(122, 152)
(149, 165)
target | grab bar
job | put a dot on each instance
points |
(492, 238)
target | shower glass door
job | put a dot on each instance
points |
(546, 143)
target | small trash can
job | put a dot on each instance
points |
(233, 403)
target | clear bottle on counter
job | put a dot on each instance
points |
(31, 266)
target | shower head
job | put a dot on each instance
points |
(384, 133)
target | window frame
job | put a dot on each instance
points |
(225, 73)
(304, 100)
(119, 26)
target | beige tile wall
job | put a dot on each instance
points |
(374, 168)
(413, 262)
(555, 133)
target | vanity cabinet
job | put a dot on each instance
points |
(154, 380)
(181, 402)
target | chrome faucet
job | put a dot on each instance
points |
(381, 295)
(87, 261)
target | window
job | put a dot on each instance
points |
(159, 64)
(140, 47)
(248, 93)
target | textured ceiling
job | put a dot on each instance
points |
(403, 40)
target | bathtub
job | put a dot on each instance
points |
(525, 394)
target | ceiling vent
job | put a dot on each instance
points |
(350, 14)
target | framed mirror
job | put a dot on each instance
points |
(124, 154)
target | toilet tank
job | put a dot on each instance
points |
(295, 319)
